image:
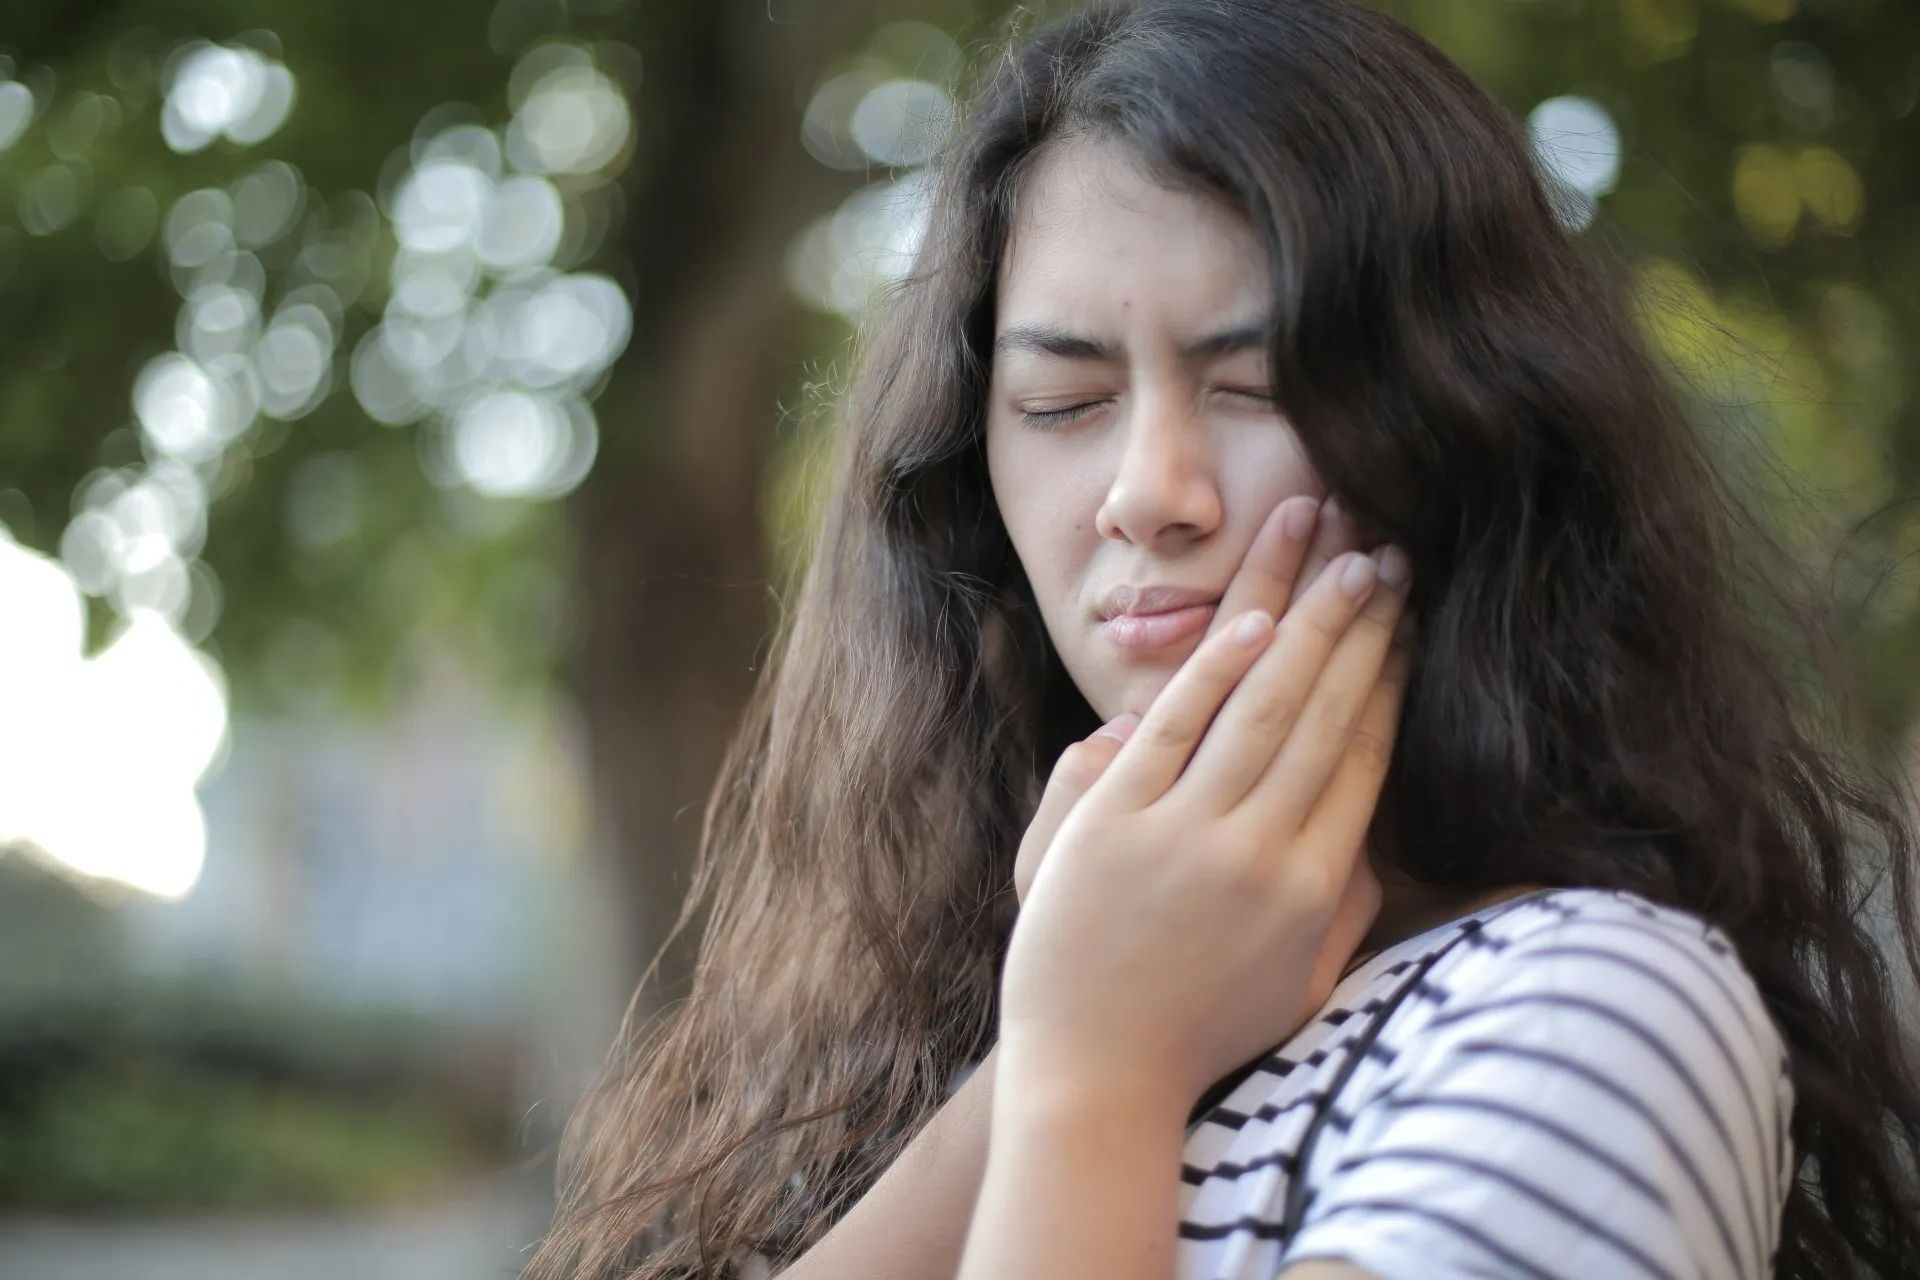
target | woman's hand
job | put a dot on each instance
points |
(1077, 769)
(1269, 577)
(1201, 897)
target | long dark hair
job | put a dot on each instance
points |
(1605, 693)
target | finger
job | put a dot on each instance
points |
(1180, 713)
(1335, 533)
(1359, 906)
(1345, 810)
(1306, 761)
(1077, 769)
(1266, 574)
(1260, 715)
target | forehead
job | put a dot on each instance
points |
(1096, 241)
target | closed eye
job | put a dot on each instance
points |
(1055, 417)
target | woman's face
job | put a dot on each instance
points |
(1134, 315)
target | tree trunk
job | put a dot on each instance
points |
(670, 560)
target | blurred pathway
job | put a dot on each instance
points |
(476, 1232)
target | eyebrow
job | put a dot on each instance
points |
(1047, 340)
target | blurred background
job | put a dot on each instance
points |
(409, 417)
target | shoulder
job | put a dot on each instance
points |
(1610, 957)
(1645, 998)
(1578, 1048)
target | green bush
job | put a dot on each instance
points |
(172, 1136)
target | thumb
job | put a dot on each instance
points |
(1078, 768)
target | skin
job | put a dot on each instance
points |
(1165, 461)
(1226, 832)
(1083, 517)
(1168, 471)
(1168, 464)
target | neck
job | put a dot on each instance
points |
(1408, 908)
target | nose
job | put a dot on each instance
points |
(1165, 490)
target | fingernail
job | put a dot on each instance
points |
(1298, 520)
(1396, 570)
(1252, 626)
(1120, 728)
(1357, 578)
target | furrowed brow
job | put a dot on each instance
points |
(1061, 344)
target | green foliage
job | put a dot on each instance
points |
(121, 1090)
(1765, 215)
(300, 619)
(1768, 176)
(150, 1137)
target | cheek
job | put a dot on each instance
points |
(1046, 549)
(1262, 468)
(1044, 504)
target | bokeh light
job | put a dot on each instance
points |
(103, 754)
(220, 91)
(266, 202)
(186, 411)
(484, 338)
(1578, 148)
(16, 111)
(838, 260)
(52, 198)
(902, 122)
(518, 444)
(569, 117)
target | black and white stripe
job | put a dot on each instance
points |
(1589, 1086)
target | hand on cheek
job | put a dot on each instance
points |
(1268, 578)
(1201, 891)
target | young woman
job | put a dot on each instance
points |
(1457, 887)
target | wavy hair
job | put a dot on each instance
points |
(1609, 686)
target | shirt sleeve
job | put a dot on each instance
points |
(1608, 1099)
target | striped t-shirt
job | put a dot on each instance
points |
(1586, 1085)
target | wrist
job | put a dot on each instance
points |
(1035, 1080)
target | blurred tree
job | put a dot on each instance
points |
(342, 560)
(1768, 196)
(672, 548)
(355, 515)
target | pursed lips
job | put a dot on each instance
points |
(1142, 619)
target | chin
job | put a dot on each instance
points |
(1138, 693)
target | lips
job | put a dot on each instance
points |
(1143, 632)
